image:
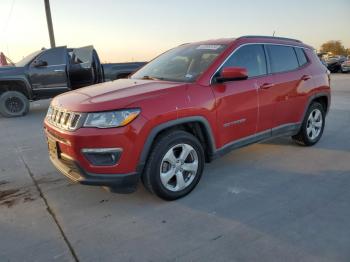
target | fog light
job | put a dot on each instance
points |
(102, 156)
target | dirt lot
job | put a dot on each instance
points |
(273, 201)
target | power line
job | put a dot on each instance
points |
(7, 22)
(8, 17)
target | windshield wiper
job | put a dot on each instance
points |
(151, 78)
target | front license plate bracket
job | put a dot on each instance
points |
(53, 148)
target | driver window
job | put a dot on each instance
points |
(251, 57)
(52, 57)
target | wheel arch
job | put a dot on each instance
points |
(196, 125)
(323, 98)
(16, 84)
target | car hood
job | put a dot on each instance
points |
(10, 71)
(113, 95)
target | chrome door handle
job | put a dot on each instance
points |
(58, 70)
(266, 85)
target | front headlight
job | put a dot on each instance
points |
(111, 119)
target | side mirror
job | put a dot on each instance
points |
(39, 63)
(232, 73)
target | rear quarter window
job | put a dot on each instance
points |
(282, 58)
(301, 56)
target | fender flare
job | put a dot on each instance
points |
(312, 98)
(23, 80)
(161, 127)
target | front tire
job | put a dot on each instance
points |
(313, 125)
(13, 104)
(175, 165)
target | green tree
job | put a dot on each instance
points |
(333, 46)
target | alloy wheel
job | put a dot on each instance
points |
(14, 104)
(314, 124)
(179, 167)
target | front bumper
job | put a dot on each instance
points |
(67, 152)
(121, 183)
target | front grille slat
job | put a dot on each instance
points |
(60, 118)
(54, 115)
(74, 120)
(64, 119)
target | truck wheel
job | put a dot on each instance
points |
(175, 165)
(13, 104)
(312, 127)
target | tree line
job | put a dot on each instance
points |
(335, 47)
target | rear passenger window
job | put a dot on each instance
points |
(301, 56)
(282, 58)
(251, 57)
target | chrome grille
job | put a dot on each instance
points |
(63, 119)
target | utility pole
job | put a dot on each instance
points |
(49, 23)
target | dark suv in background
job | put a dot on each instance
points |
(188, 106)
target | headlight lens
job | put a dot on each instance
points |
(111, 119)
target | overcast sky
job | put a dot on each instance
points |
(138, 30)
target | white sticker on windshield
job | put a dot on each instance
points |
(209, 47)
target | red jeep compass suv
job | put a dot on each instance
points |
(187, 107)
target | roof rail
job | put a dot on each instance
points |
(270, 37)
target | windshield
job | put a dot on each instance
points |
(181, 64)
(28, 58)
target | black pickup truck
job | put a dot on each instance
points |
(49, 72)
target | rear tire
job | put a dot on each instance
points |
(174, 166)
(313, 125)
(13, 104)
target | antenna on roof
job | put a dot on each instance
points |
(273, 33)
